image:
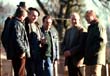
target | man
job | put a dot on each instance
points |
(51, 44)
(18, 45)
(5, 31)
(71, 46)
(95, 45)
(33, 64)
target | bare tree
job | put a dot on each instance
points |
(61, 9)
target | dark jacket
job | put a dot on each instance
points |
(95, 44)
(18, 41)
(72, 41)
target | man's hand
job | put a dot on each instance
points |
(67, 53)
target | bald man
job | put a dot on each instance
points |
(70, 46)
(95, 45)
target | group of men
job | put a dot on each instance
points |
(37, 48)
(30, 46)
(88, 48)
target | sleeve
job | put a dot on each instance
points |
(63, 46)
(18, 36)
(57, 46)
(93, 41)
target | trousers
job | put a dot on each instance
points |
(93, 70)
(19, 66)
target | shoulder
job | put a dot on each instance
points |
(69, 29)
(82, 29)
(53, 29)
(16, 23)
(101, 26)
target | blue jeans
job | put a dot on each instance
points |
(48, 67)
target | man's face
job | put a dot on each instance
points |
(24, 15)
(89, 17)
(75, 19)
(48, 23)
(33, 16)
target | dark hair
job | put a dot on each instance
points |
(33, 9)
(47, 16)
(21, 4)
(19, 12)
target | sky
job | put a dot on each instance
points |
(102, 13)
(11, 9)
(33, 3)
(16, 2)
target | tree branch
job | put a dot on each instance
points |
(42, 7)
